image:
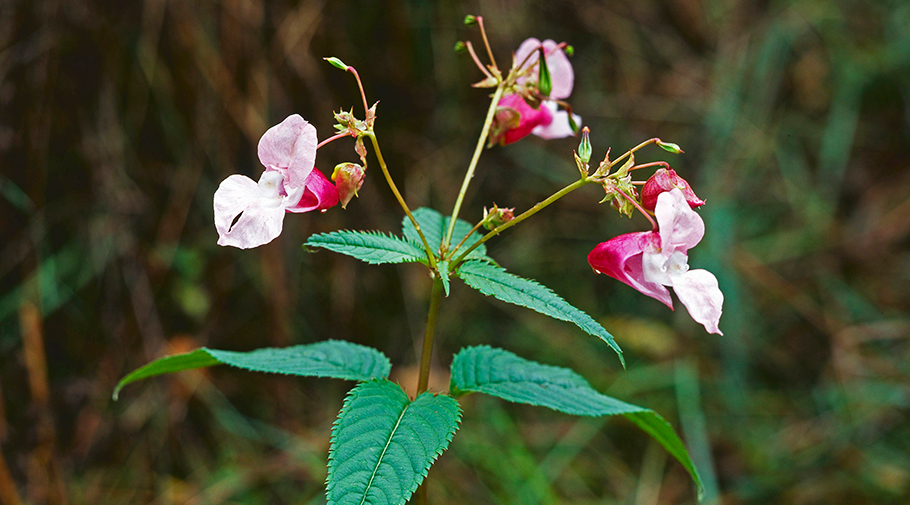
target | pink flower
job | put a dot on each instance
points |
(664, 180)
(515, 118)
(651, 261)
(249, 214)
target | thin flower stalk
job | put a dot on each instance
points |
(528, 213)
(431, 257)
(491, 113)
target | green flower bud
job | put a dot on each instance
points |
(584, 147)
(336, 63)
(545, 83)
(670, 147)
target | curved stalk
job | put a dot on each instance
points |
(431, 257)
(528, 213)
(491, 113)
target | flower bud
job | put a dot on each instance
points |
(584, 147)
(666, 180)
(496, 216)
(544, 81)
(669, 147)
(348, 178)
(460, 47)
(470, 20)
(336, 63)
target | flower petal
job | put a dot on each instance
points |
(621, 258)
(699, 292)
(561, 74)
(290, 146)
(681, 228)
(528, 118)
(559, 126)
(243, 217)
(319, 194)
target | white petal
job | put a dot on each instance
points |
(559, 127)
(681, 228)
(260, 218)
(699, 292)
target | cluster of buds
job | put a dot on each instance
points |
(495, 217)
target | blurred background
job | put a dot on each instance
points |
(119, 119)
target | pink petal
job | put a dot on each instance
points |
(290, 146)
(529, 118)
(320, 194)
(681, 228)
(621, 258)
(561, 74)
(559, 127)
(665, 180)
(260, 219)
(699, 292)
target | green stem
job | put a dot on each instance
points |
(528, 213)
(426, 353)
(388, 177)
(465, 239)
(630, 151)
(491, 113)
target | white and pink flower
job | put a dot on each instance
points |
(249, 214)
(652, 261)
(517, 119)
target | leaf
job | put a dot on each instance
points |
(443, 268)
(500, 373)
(370, 246)
(383, 444)
(494, 281)
(336, 359)
(434, 226)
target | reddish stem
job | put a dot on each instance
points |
(486, 42)
(476, 59)
(332, 138)
(363, 95)
(637, 206)
(652, 164)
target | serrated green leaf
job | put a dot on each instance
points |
(494, 281)
(383, 444)
(370, 246)
(500, 373)
(335, 359)
(434, 226)
(443, 267)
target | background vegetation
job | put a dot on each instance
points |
(119, 119)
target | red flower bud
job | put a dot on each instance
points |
(666, 180)
(348, 179)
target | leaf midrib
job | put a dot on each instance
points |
(369, 485)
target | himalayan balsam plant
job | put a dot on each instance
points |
(384, 442)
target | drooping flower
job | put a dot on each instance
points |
(664, 180)
(516, 118)
(249, 214)
(652, 261)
